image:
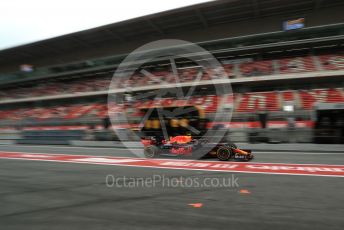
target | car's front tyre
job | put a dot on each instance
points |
(224, 153)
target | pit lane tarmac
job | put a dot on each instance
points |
(55, 195)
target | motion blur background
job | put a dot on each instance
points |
(284, 60)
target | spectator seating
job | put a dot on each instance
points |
(332, 62)
(246, 102)
(144, 78)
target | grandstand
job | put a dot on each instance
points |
(283, 74)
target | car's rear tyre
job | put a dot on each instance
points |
(151, 151)
(224, 153)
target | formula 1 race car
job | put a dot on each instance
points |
(184, 142)
(186, 146)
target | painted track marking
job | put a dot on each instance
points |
(242, 167)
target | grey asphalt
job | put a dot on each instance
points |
(50, 195)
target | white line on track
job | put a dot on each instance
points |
(299, 153)
(187, 169)
(186, 160)
(135, 149)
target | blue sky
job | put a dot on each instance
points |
(25, 21)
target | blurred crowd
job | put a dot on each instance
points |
(154, 77)
(242, 102)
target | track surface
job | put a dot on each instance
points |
(50, 195)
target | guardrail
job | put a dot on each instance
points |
(50, 137)
(64, 137)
